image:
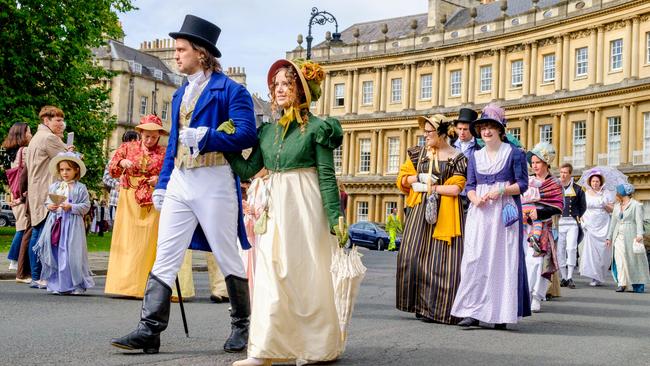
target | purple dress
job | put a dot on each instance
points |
(493, 285)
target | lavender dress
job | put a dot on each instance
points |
(65, 266)
(493, 284)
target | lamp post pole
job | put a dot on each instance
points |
(321, 17)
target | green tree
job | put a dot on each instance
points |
(46, 59)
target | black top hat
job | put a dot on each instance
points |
(466, 115)
(201, 32)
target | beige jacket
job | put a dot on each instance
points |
(42, 148)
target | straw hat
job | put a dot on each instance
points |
(69, 156)
(151, 122)
(311, 75)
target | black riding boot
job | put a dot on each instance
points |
(153, 319)
(239, 315)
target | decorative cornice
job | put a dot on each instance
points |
(453, 59)
(546, 42)
(582, 33)
(615, 25)
(515, 48)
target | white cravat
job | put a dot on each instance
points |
(194, 87)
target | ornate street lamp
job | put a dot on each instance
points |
(321, 17)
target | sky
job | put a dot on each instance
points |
(255, 33)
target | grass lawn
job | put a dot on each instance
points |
(95, 243)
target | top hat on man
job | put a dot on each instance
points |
(466, 115)
(201, 32)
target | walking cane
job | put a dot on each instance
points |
(180, 302)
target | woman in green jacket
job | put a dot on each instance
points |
(293, 314)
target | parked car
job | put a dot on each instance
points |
(6, 216)
(371, 235)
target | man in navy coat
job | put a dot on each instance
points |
(197, 193)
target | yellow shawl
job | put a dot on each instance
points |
(448, 224)
(412, 197)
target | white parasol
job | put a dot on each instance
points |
(347, 274)
(612, 176)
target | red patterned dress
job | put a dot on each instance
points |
(135, 234)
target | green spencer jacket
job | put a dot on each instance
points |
(299, 149)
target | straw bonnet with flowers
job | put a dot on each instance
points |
(297, 225)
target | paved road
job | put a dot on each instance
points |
(587, 326)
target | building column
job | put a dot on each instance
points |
(384, 91)
(593, 45)
(377, 91)
(352, 153)
(634, 72)
(502, 74)
(530, 138)
(435, 83)
(380, 153)
(348, 92)
(496, 66)
(600, 71)
(627, 49)
(558, 63)
(409, 138)
(533, 69)
(321, 101)
(355, 91)
(636, 133)
(597, 135)
(349, 211)
(406, 86)
(565, 62)
(471, 82)
(402, 145)
(556, 136)
(625, 132)
(465, 80)
(414, 84)
(443, 84)
(589, 144)
(378, 209)
(327, 99)
(400, 207)
(345, 153)
(373, 152)
(524, 131)
(526, 70)
(563, 138)
(371, 205)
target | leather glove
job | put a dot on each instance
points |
(227, 127)
(341, 234)
(191, 137)
(158, 197)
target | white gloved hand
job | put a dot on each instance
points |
(191, 137)
(419, 187)
(158, 197)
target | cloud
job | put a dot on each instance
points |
(256, 32)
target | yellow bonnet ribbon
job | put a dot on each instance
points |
(290, 115)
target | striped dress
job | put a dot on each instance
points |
(428, 270)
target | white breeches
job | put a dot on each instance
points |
(567, 242)
(204, 196)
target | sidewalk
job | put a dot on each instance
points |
(98, 264)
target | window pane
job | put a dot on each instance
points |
(338, 159)
(143, 105)
(455, 83)
(613, 140)
(364, 155)
(546, 133)
(486, 78)
(396, 90)
(616, 51)
(393, 155)
(339, 95)
(425, 86)
(517, 73)
(515, 132)
(579, 143)
(549, 68)
(581, 61)
(389, 208)
(367, 93)
(362, 211)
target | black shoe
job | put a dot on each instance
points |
(239, 315)
(468, 322)
(501, 326)
(153, 319)
(564, 283)
(570, 284)
(218, 299)
(620, 289)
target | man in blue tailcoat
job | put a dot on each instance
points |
(197, 193)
